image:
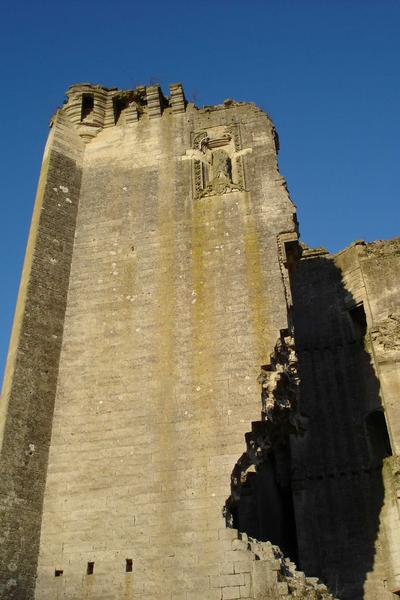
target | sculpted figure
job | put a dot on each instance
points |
(213, 166)
(220, 166)
(221, 172)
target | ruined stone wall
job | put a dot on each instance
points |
(380, 267)
(152, 431)
(379, 264)
(341, 466)
(30, 380)
(176, 299)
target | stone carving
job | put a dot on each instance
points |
(220, 166)
(386, 334)
(200, 141)
(217, 162)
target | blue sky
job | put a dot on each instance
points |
(326, 71)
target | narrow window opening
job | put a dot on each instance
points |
(58, 573)
(378, 435)
(118, 106)
(292, 254)
(359, 321)
(129, 565)
(87, 105)
(90, 568)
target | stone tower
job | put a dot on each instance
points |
(191, 396)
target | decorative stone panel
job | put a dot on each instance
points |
(217, 161)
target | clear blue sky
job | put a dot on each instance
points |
(326, 71)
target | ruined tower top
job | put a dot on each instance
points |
(95, 107)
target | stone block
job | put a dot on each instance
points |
(230, 593)
(227, 580)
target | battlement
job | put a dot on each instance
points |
(92, 108)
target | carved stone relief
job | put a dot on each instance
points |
(217, 161)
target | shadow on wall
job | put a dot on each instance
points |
(261, 502)
(315, 488)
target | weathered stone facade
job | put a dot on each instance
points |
(190, 394)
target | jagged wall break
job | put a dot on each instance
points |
(261, 477)
(163, 273)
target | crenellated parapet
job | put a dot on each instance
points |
(92, 108)
(177, 100)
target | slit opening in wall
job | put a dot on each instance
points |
(87, 105)
(292, 254)
(119, 104)
(128, 565)
(90, 568)
(378, 435)
(359, 321)
(58, 573)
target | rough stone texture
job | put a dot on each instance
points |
(163, 275)
(32, 368)
(174, 303)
